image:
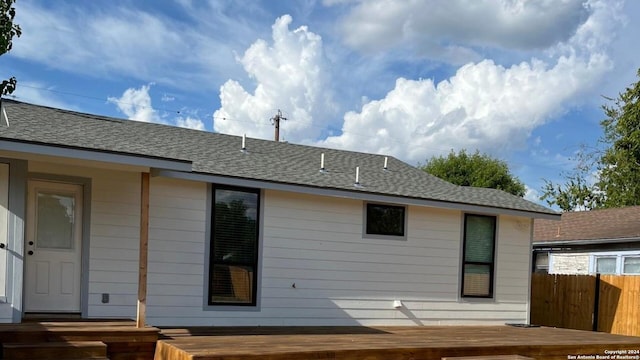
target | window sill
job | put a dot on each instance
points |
(221, 307)
(477, 299)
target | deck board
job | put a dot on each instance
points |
(383, 343)
(123, 339)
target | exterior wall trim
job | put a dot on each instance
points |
(545, 244)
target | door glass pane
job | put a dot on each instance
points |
(631, 265)
(606, 265)
(55, 220)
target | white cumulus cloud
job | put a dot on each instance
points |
(190, 123)
(136, 104)
(483, 106)
(451, 29)
(531, 194)
(289, 75)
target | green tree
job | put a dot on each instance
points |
(480, 170)
(619, 166)
(616, 168)
(579, 192)
(7, 31)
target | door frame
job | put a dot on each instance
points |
(85, 183)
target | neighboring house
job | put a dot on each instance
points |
(256, 236)
(603, 241)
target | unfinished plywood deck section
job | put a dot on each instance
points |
(383, 343)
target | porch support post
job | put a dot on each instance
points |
(144, 249)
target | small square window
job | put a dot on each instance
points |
(631, 265)
(606, 265)
(385, 220)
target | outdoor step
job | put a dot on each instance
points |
(55, 350)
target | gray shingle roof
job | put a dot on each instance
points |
(603, 225)
(219, 154)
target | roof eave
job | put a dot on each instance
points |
(353, 194)
(95, 155)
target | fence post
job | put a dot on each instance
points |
(596, 303)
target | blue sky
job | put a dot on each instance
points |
(520, 80)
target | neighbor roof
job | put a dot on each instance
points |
(221, 155)
(605, 225)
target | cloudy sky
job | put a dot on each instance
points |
(520, 80)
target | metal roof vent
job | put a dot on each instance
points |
(357, 183)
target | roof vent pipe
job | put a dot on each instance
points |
(244, 142)
(357, 183)
(322, 162)
(4, 113)
(386, 160)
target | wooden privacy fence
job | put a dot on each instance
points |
(608, 303)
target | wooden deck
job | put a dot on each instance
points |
(385, 343)
(122, 338)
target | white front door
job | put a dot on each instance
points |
(52, 249)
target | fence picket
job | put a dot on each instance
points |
(568, 301)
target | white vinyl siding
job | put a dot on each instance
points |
(177, 238)
(513, 261)
(314, 242)
(317, 269)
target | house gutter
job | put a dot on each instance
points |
(586, 242)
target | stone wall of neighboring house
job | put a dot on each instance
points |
(571, 264)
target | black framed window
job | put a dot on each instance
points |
(233, 261)
(384, 219)
(479, 260)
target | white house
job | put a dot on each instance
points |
(244, 231)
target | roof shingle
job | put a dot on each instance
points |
(221, 155)
(605, 224)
